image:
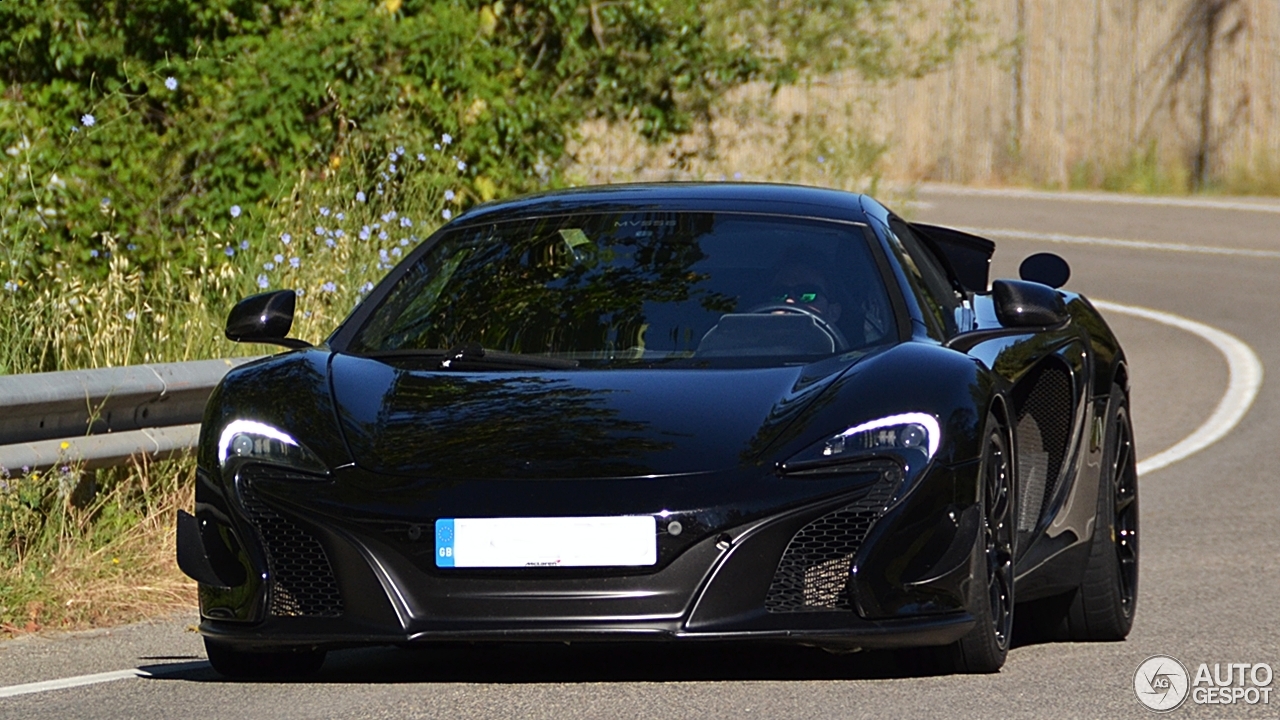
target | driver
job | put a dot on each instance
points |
(804, 286)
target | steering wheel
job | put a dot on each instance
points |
(837, 338)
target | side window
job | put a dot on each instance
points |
(938, 300)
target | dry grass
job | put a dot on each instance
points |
(78, 559)
(803, 135)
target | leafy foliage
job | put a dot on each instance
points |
(168, 112)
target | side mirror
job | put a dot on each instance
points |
(1046, 269)
(1028, 304)
(264, 318)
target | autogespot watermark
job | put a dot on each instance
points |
(1162, 683)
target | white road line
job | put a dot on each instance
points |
(1009, 234)
(1244, 378)
(1101, 197)
(81, 680)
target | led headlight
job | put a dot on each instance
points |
(909, 431)
(911, 437)
(251, 440)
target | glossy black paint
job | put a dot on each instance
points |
(265, 318)
(969, 255)
(1021, 304)
(1046, 269)
(408, 443)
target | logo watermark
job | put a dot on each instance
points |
(1163, 684)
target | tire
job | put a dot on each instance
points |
(242, 664)
(985, 647)
(1102, 607)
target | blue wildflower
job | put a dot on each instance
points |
(286, 238)
(295, 263)
(329, 287)
(88, 120)
(235, 211)
(447, 213)
(360, 196)
(171, 83)
(262, 282)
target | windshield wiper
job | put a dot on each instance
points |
(474, 353)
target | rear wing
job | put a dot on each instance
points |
(968, 255)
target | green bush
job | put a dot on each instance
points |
(149, 119)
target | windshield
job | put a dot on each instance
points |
(639, 287)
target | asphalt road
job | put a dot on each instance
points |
(1210, 574)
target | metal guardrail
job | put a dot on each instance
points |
(100, 418)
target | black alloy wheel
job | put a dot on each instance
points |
(984, 649)
(1124, 470)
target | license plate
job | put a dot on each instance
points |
(546, 542)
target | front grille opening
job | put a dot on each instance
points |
(814, 572)
(302, 580)
(1044, 430)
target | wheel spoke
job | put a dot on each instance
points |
(1124, 450)
(998, 540)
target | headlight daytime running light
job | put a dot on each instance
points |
(907, 431)
(252, 440)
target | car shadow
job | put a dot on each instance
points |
(528, 663)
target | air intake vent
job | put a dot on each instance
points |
(1044, 427)
(813, 574)
(302, 581)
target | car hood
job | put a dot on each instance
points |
(572, 424)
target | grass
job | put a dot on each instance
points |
(88, 549)
(97, 559)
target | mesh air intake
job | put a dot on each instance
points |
(302, 580)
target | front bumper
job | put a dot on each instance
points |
(902, 578)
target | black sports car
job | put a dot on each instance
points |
(673, 412)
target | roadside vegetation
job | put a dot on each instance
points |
(163, 159)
